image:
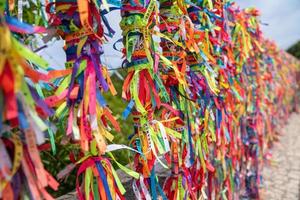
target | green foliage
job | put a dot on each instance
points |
(55, 163)
(32, 13)
(295, 50)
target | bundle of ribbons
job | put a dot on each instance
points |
(78, 97)
(207, 93)
(23, 113)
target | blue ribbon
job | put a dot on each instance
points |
(128, 109)
(100, 98)
(103, 179)
(190, 140)
(26, 28)
(80, 79)
(114, 2)
(21, 117)
(219, 118)
(153, 187)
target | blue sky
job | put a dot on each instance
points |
(282, 17)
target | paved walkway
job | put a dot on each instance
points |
(282, 179)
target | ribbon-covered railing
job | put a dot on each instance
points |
(23, 113)
(206, 91)
(202, 71)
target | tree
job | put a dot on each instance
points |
(295, 50)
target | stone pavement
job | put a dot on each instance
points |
(282, 179)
